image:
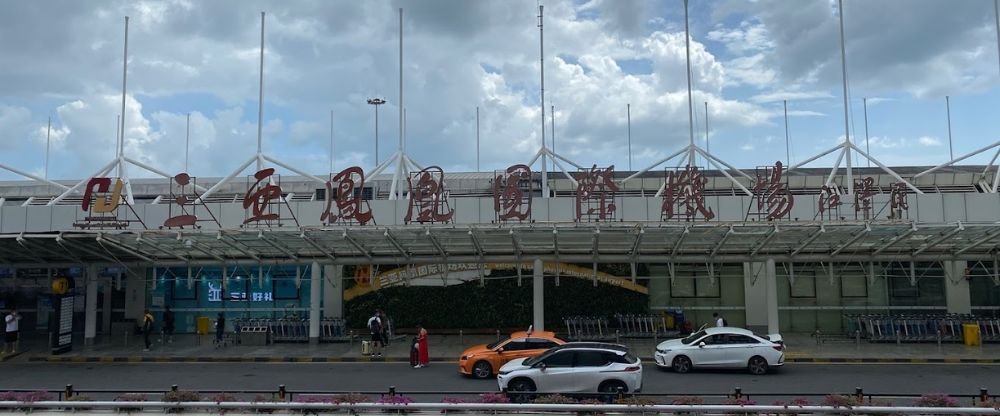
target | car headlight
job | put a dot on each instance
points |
(662, 351)
(504, 372)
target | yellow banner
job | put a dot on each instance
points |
(402, 275)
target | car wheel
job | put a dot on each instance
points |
(612, 386)
(682, 364)
(482, 369)
(757, 366)
(520, 390)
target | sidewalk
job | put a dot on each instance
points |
(801, 348)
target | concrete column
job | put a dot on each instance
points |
(772, 297)
(90, 321)
(538, 295)
(106, 307)
(315, 301)
(135, 293)
(958, 298)
(333, 291)
(761, 296)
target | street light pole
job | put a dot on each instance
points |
(376, 102)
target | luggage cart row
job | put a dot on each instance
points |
(919, 327)
(588, 328)
(641, 325)
(294, 330)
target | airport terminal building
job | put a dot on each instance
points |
(772, 250)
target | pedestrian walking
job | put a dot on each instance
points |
(423, 354)
(375, 328)
(220, 329)
(168, 325)
(719, 321)
(147, 329)
(11, 337)
(386, 328)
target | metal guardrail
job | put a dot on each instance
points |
(496, 408)
(638, 402)
(919, 327)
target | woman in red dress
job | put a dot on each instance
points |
(423, 356)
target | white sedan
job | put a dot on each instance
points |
(575, 367)
(722, 347)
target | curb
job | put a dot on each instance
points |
(301, 359)
(5, 357)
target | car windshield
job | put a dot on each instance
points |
(531, 361)
(693, 337)
(495, 344)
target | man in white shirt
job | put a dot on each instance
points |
(719, 322)
(10, 338)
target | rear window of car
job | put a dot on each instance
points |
(626, 358)
(591, 359)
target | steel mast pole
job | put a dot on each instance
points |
(687, 51)
(847, 129)
(260, 99)
(541, 58)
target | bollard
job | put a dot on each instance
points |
(859, 393)
(281, 392)
(899, 337)
(857, 338)
(126, 338)
(69, 391)
(392, 391)
(498, 335)
(738, 393)
(818, 335)
(621, 393)
(654, 339)
(939, 338)
(173, 388)
(618, 337)
(460, 337)
(351, 341)
(984, 395)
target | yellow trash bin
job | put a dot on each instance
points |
(669, 321)
(970, 333)
(202, 325)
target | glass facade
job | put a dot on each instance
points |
(244, 293)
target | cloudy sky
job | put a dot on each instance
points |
(63, 58)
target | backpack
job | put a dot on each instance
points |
(725, 322)
(375, 327)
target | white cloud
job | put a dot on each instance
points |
(790, 96)
(929, 141)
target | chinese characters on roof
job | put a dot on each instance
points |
(598, 196)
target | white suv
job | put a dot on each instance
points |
(576, 367)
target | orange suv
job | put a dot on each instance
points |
(483, 361)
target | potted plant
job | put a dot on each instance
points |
(178, 396)
(129, 398)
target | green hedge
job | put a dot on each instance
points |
(499, 304)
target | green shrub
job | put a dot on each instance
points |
(499, 304)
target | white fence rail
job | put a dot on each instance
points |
(62, 407)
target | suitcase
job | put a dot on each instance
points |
(414, 356)
(366, 348)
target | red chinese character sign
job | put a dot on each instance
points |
(512, 193)
(344, 201)
(864, 190)
(684, 196)
(428, 198)
(774, 201)
(264, 200)
(101, 203)
(899, 208)
(185, 204)
(828, 204)
(595, 194)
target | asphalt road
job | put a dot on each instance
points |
(443, 378)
